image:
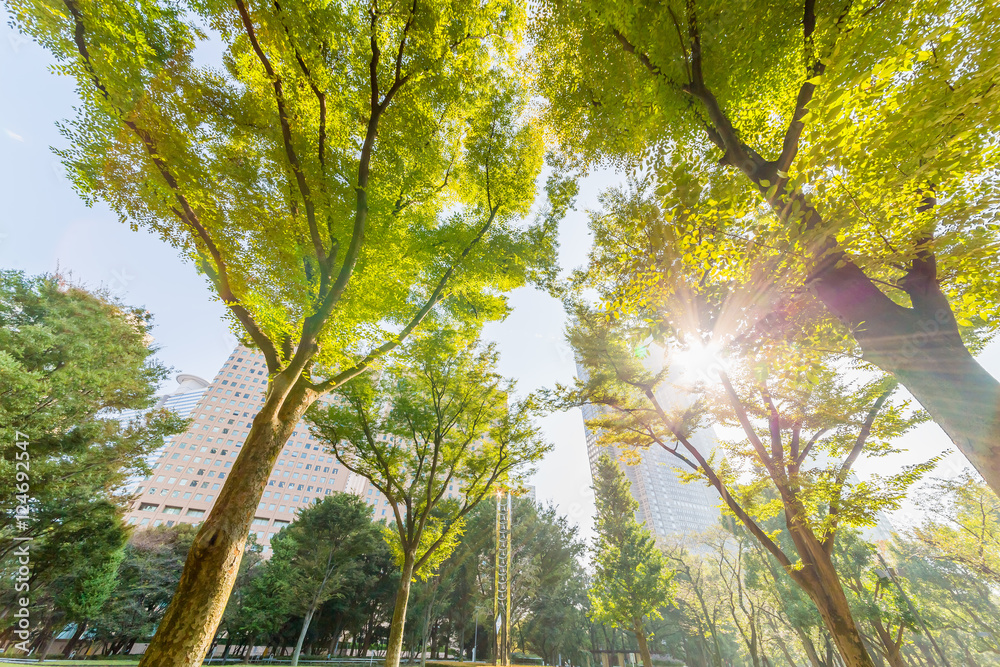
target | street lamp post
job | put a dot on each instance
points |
(475, 641)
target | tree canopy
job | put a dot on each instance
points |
(344, 171)
(434, 432)
(843, 156)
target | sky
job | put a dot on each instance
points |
(45, 226)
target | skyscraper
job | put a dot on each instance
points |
(191, 468)
(667, 505)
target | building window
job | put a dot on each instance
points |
(148, 507)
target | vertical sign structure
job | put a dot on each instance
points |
(501, 581)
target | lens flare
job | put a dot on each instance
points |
(699, 360)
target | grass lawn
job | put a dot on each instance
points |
(93, 663)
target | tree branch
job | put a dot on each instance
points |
(286, 135)
(186, 212)
(845, 468)
(721, 487)
(744, 420)
(397, 340)
(805, 450)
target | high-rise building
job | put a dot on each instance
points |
(191, 468)
(667, 505)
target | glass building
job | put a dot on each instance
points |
(667, 505)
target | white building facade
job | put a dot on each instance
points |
(191, 469)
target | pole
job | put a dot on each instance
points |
(475, 642)
(892, 577)
(501, 580)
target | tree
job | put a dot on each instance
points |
(434, 432)
(963, 525)
(147, 578)
(557, 623)
(850, 138)
(804, 428)
(322, 550)
(957, 611)
(631, 580)
(698, 609)
(259, 609)
(948, 567)
(240, 609)
(72, 362)
(345, 171)
(545, 579)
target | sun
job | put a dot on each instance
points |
(698, 361)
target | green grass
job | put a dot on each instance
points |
(92, 663)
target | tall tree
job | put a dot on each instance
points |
(147, 579)
(855, 137)
(962, 524)
(632, 579)
(345, 170)
(545, 578)
(556, 624)
(434, 432)
(803, 428)
(72, 362)
(322, 549)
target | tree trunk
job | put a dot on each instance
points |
(213, 562)
(394, 646)
(81, 627)
(809, 648)
(921, 346)
(640, 637)
(784, 649)
(46, 645)
(427, 623)
(836, 614)
(892, 649)
(818, 578)
(302, 635)
(929, 657)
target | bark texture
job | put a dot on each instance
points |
(819, 579)
(191, 620)
(640, 638)
(921, 346)
(302, 635)
(394, 646)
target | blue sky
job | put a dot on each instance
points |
(45, 225)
